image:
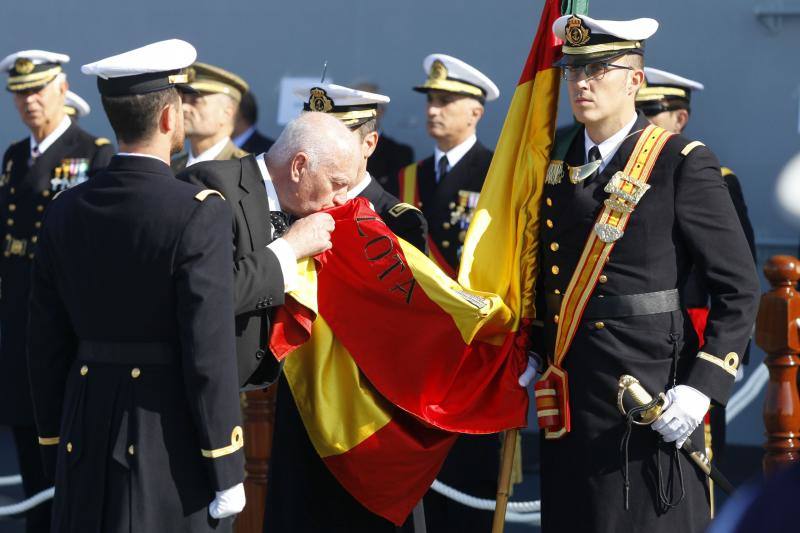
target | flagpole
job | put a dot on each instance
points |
(504, 480)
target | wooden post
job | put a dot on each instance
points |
(777, 331)
(504, 480)
(258, 410)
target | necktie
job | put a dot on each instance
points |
(594, 155)
(280, 223)
(441, 169)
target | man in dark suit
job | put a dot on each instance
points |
(666, 102)
(138, 409)
(307, 497)
(209, 113)
(56, 155)
(389, 155)
(446, 187)
(245, 134)
(308, 169)
(626, 210)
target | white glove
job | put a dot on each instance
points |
(683, 412)
(228, 502)
(530, 371)
(739, 374)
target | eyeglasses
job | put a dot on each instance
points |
(591, 71)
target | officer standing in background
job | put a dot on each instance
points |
(666, 102)
(627, 209)
(245, 133)
(56, 155)
(446, 187)
(389, 155)
(209, 113)
(138, 409)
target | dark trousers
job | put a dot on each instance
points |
(37, 520)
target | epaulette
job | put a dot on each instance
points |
(101, 141)
(401, 208)
(238, 153)
(726, 171)
(689, 147)
(202, 195)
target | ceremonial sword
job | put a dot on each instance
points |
(631, 394)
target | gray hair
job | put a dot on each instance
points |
(319, 135)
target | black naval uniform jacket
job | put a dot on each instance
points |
(25, 192)
(257, 276)
(685, 218)
(439, 201)
(387, 159)
(304, 496)
(257, 143)
(131, 352)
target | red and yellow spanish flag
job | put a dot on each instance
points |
(387, 357)
(390, 358)
(506, 220)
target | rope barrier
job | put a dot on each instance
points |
(10, 481)
(30, 503)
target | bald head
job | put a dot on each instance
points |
(312, 163)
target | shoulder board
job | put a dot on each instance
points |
(726, 171)
(101, 141)
(689, 147)
(202, 195)
(401, 208)
(238, 153)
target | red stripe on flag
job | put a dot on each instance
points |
(389, 472)
(546, 48)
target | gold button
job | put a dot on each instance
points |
(549, 202)
(12, 207)
(34, 238)
(599, 325)
(556, 291)
(13, 190)
(45, 193)
(37, 224)
(554, 269)
(30, 256)
(69, 447)
(10, 221)
(549, 223)
(555, 319)
(452, 205)
(445, 244)
(135, 373)
(554, 246)
(603, 278)
(8, 237)
(7, 254)
(446, 225)
(84, 370)
(419, 205)
(40, 208)
(131, 450)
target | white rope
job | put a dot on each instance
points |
(533, 519)
(747, 393)
(30, 503)
(482, 503)
(8, 481)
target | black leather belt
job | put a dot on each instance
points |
(128, 353)
(619, 306)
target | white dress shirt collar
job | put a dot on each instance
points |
(136, 154)
(243, 137)
(272, 194)
(454, 155)
(208, 155)
(610, 146)
(48, 141)
(358, 189)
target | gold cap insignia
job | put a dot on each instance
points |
(577, 34)
(320, 101)
(23, 65)
(438, 71)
